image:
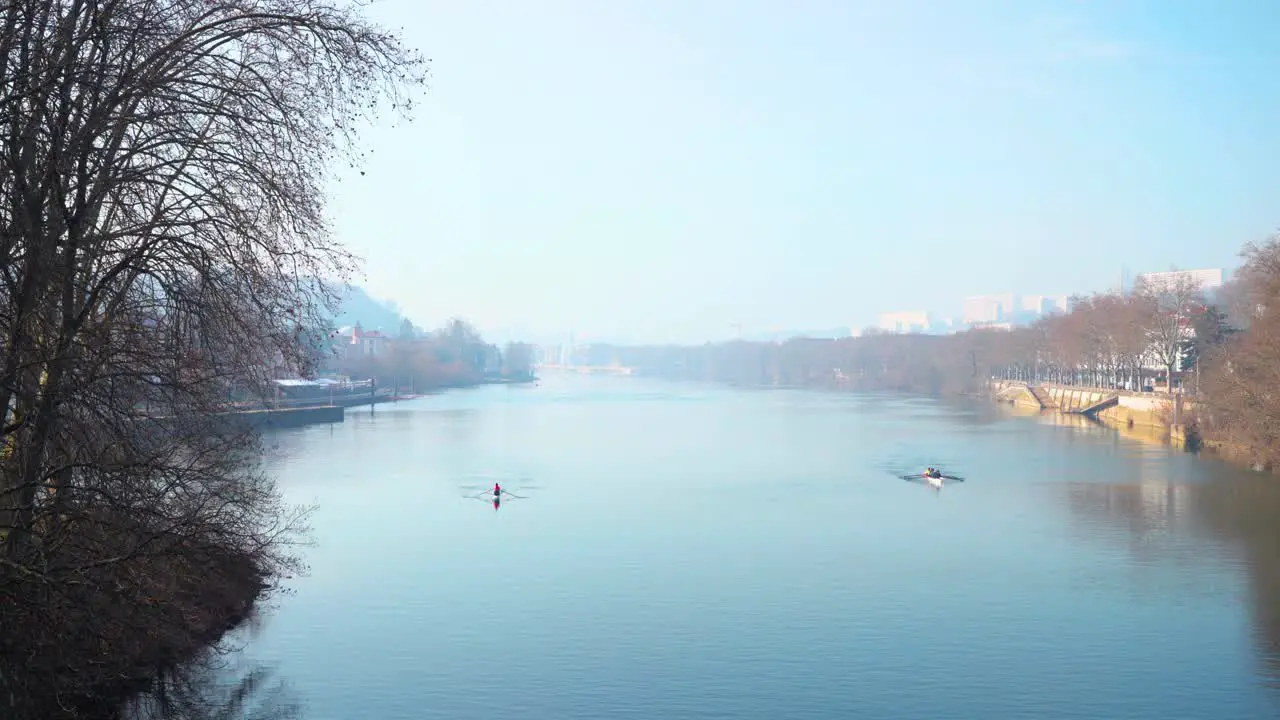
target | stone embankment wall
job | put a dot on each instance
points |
(1130, 409)
(1142, 416)
(1139, 411)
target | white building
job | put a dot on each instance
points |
(1040, 305)
(989, 308)
(360, 342)
(905, 322)
(1208, 279)
(1033, 304)
(984, 310)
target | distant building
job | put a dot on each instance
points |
(981, 309)
(1033, 307)
(989, 308)
(1031, 304)
(943, 326)
(1207, 280)
(547, 354)
(1043, 304)
(358, 342)
(905, 322)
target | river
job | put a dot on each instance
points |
(699, 551)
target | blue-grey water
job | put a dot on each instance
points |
(699, 551)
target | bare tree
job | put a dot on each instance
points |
(1237, 300)
(1065, 344)
(517, 360)
(1129, 319)
(1256, 284)
(163, 244)
(1171, 304)
(1242, 377)
(1095, 337)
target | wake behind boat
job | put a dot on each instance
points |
(497, 494)
(932, 476)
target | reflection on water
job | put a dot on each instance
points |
(962, 411)
(1246, 511)
(710, 552)
(211, 695)
(1170, 520)
(1142, 433)
(217, 686)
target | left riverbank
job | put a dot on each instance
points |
(298, 413)
(202, 593)
(147, 599)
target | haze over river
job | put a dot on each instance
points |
(700, 551)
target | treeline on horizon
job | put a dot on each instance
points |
(1223, 347)
(416, 361)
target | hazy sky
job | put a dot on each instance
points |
(657, 170)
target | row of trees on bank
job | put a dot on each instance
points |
(1242, 405)
(1146, 338)
(453, 356)
(163, 166)
(1227, 345)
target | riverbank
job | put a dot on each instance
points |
(302, 412)
(1116, 408)
(138, 602)
(1172, 420)
(189, 598)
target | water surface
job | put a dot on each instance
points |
(696, 551)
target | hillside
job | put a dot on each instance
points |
(372, 314)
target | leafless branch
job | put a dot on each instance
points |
(163, 249)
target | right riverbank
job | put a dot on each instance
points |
(1114, 407)
(1167, 419)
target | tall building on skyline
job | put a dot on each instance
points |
(1040, 305)
(905, 322)
(1011, 309)
(1032, 304)
(988, 308)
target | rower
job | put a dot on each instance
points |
(497, 490)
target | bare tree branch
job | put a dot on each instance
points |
(163, 248)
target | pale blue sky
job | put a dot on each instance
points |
(659, 169)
